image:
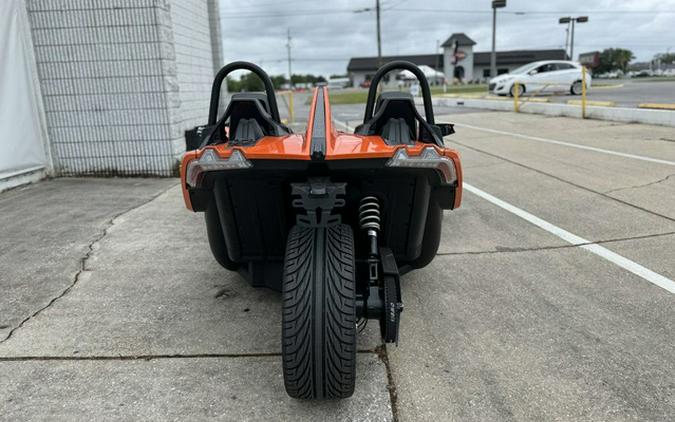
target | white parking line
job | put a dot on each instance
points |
(572, 238)
(621, 261)
(568, 144)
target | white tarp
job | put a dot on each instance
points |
(431, 74)
(23, 136)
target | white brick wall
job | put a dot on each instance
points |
(194, 66)
(122, 80)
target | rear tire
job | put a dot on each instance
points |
(319, 313)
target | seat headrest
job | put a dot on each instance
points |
(244, 96)
(394, 96)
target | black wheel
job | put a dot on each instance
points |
(521, 90)
(214, 230)
(575, 88)
(319, 313)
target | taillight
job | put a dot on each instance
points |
(428, 158)
(211, 161)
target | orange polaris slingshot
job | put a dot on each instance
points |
(330, 219)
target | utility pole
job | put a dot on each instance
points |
(379, 37)
(496, 4)
(288, 47)
(572, 42)
(567, 38)
(438, 48)
(572, 20)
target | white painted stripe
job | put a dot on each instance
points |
(572, 238)
(343, 124)
(568, 144)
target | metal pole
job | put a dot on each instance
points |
(493, 56)
(379, 38)
(438, 64)
(583, 92)
(567, 38)
(288, 46)
(572, 42)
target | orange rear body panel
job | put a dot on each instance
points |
(339, 146)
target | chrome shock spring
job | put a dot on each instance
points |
(369, 214)
(369, 220)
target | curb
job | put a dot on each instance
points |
(592, 103)
(657, 106)
(615, 114)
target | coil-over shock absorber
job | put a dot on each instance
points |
(369, 220)
(384, 293)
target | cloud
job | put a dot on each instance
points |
(326, 34)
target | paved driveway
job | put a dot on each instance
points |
(113, 308)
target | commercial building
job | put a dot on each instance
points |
(458, 61)
(103, 87)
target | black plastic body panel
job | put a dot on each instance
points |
(254, 206)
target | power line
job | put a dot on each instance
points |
(530, 12)
(314, 12)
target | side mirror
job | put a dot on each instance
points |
(532, 72)
(446, 128)
(194, 138)
(439, 129)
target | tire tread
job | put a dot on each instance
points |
(319, 313)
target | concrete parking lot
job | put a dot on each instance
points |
(551, 297)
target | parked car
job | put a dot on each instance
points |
(614, 74)
(542, 76)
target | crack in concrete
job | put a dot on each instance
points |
(640, 186)
(83, 262)
(547, 248)
(381, 351)
(154, 356)
(560, 179)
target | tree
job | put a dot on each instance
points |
(247, 82)
(278, 81)
(250, 82)
(613, 59)
(665, 57)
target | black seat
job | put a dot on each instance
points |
(395, 119)
(249, 119)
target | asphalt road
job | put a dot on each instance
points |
(622, 92)
(626, 92)
(630, 93)
(549, 299)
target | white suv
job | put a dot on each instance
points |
(543, 76)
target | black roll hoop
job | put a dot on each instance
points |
(241, 65)
(403, 65)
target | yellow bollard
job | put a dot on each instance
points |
(291, 111)
(516, 91)
(583, 92)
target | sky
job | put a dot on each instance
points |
(325, 34)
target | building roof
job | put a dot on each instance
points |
(370, 63)
(460, 37)
(519, 56)
(435, 61)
